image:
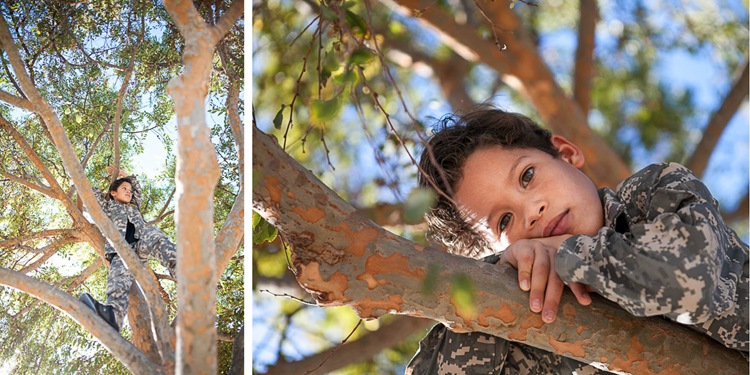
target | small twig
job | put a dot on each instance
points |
(300, 300)
(492, 27)
(299, 82)
(336, 348)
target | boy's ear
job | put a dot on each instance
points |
(568, 151)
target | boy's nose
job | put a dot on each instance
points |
(535, 213)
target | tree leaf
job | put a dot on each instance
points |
(279, 117)
(324, 110)
(361, 56)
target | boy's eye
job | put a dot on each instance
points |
(527, 176)
(503, 223)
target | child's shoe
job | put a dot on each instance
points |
(106, 312)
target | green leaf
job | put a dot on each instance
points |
(361, 56)
(356, 23)
(417, 203)
(79, 119)
(348, 76)
(279, 117)
(67, 111)
(262, 230)
(463, 294)
(325, 110)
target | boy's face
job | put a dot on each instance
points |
(526, 193)
(124, 193)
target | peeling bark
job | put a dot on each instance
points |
(197, 175)
(345, 259)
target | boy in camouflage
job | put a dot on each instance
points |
(656, 246)
(122, 206)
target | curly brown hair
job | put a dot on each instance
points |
(454, 139)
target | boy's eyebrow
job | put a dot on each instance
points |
(513, 168)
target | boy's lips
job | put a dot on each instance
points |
(557, 226)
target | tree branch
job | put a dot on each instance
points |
(584, 62)
(356, 351)
(129, 355)
(229, 18)
(16, 101)
(718, 122)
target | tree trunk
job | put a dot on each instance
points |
(342, 258)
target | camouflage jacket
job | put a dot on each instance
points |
(664, 250)
(120, 213)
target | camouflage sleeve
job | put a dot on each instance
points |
(673, 258)
(136, 200)
(100, 197)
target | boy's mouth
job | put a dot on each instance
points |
(557, 226)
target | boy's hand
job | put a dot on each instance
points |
(120, 173)
(535, 261)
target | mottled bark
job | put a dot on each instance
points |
(342, 258)
(197, 175)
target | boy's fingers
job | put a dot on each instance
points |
(524, 263)
(539, 276)
(555, 287)
(552, 297)
(581, 292)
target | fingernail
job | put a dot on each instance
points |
(549, 316)
(536, 305)
(525, 285)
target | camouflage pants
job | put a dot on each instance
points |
(152, 244)
(449, 353)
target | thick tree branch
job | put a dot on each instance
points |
(584, 62)
(229, 18)
(231, 233)
(718, 122)
(197, 175)
(48, 252)
(35, 236)
(129, 355)
(16, 101)
(344, 259)
(42, 189)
